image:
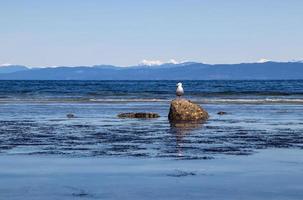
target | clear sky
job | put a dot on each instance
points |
(125, 32)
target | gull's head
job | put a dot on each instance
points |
(179, 84)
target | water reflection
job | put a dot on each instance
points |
(181, 129)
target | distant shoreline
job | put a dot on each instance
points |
(183, 71)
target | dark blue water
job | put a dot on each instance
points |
(260, 115)
(202, 91)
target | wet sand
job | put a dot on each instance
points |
(268, 174)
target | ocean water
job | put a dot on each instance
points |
(260, 115)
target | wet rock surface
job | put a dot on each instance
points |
(185, 110)
(139, 115)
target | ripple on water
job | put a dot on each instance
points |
(240, 133)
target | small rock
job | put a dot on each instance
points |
(138, 115)
(222, 113)
(185, 110)
(70, 115)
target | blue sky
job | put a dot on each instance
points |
(125, 32)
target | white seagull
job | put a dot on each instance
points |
(179, 91)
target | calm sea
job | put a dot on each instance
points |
(260, 115)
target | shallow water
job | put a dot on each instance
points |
(260, 115)
(252, 152)
(39, 128)
(273, 174)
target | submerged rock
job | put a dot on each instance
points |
(138, 115)
(185, 110)
(222, 113)
(180, 173)
(70, 115)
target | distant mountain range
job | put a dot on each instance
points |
(12, 68)
(168, 71)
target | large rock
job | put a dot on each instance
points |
(184, 110)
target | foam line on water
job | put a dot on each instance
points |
(146, 100)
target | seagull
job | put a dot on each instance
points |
(179, 91)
